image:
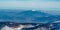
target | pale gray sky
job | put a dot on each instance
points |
(38, 4)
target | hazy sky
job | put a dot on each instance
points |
(30, 4)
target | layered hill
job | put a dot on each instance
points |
(27, 16)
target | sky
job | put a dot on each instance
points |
(30, 4)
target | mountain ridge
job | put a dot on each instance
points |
(28, 16)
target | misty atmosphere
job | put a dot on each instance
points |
(29, 14)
